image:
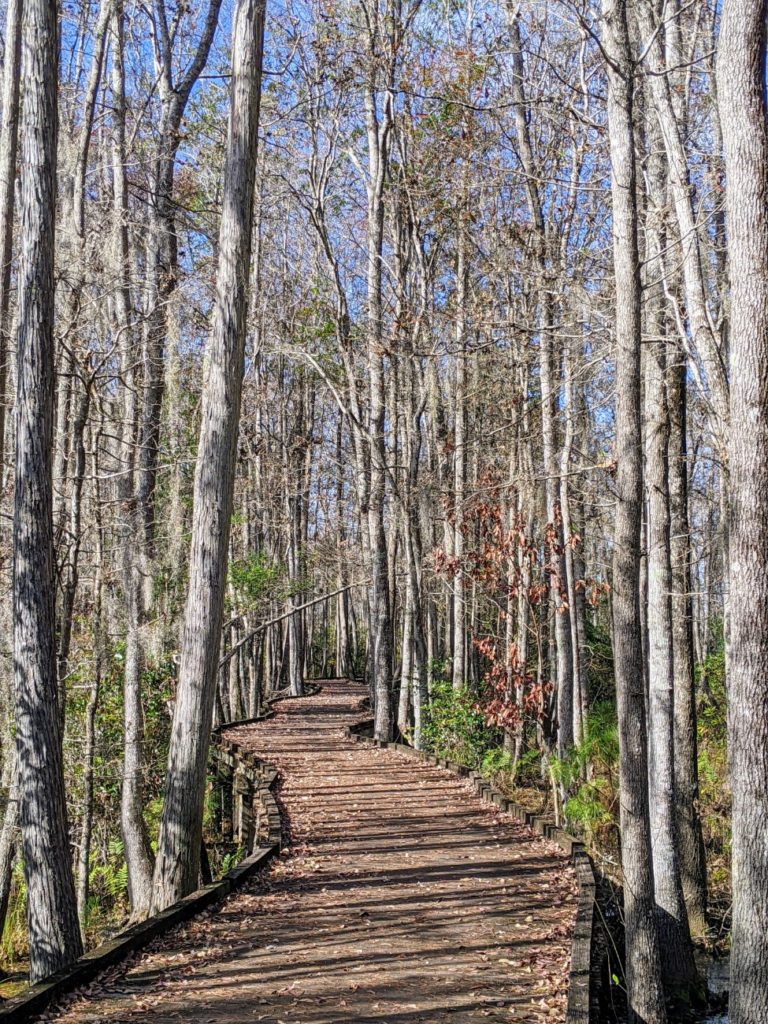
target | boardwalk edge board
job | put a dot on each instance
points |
(578, 1009)
(39, 997)
(244, 765)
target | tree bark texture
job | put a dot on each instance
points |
(54, 933)
(643, 963)
(178, 860)
(741, 93)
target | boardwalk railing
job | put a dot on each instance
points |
(246, 813)
(249, 818)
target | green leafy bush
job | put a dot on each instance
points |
(254, 578)
(454, 728)
(588, 777)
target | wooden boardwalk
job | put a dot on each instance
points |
(402, 898)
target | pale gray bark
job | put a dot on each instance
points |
(138, 853)
(9, 834)
(100, 37)
(86, 826)
(54, 934)
(674, 937)
(578, 682)
(378, 127)
(178, 859)
(458, 597)
(693, 869)
(344, 653)
(69, 570)
(9, 133)
(741, 94)
(549, 377)
(643, 963)
(162, 248)
(706, 341)
(9, 130)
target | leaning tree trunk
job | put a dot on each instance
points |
(54, 933)
(707, 348)
(549, 389)
(643, 963)
(178, 854)
(741, 92)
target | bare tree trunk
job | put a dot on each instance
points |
(101, 34)
(674, 936)
(741, 93)
(9, 130)
(178, 859)
(705, 339)
(549, 390)
(458, 598)
(9, 835)
(138, 853)
(406, 666)
(693, 868)
(84, 853)
(69, 573)
(568, 560)
(54, 933)
(9, 133)
(643, 963)
(380, 619)
(344, 654)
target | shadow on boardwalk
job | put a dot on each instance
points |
(402, 899)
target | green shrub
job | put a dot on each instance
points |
(588, 776)
(454, 728)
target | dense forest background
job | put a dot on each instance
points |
(483, 452)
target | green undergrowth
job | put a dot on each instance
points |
(583, 787)
(454, 728)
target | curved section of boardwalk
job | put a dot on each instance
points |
(403, 898)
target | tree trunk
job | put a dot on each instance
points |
(674, 936)
(9, 836)
(9, 131)
(549, 390)
(741, 93)
(705, 340)
(9, 134)
(380, 620)
(84, 853)
(458, 597)
(178, 860)
(693, 870)
(643, 965)
(54, 933)
(138, 852)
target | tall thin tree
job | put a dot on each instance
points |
(741, 93)
(178, 857)
(643, 962)
(54, 932)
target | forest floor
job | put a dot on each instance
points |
(401, 899)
